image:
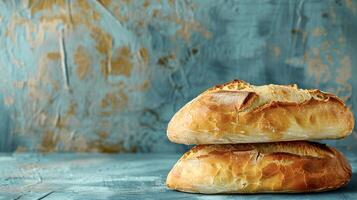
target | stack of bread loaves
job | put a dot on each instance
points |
(250, 139)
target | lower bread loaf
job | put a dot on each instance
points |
(292, 167)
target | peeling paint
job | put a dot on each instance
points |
(83, 62)
(144, 54)
(60, 122)
(165, 59)
(104, 41)
(49, 142)
(121, 62)
(115, 101)
(105, 3)
(106, 147)
(53, 55)
(39, 5)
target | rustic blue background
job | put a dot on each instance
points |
(107, 76)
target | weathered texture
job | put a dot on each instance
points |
(125, 176)
(107, 76)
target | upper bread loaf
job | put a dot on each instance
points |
(260, 168)
(238, 112)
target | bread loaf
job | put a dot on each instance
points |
(238, 112)
(260, 168)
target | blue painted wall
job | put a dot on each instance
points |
(107, 76)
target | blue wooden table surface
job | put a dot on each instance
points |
(120, 176)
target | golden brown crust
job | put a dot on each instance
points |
(238, 112)
(260, 168)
